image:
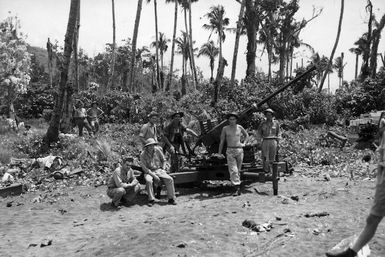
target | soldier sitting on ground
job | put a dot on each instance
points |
(122, 185)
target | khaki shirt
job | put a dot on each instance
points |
(149, 130)
(120, 178)
(152, 162)
(269, 130)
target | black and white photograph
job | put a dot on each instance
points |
(192, 128)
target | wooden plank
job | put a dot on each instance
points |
(185, 177)
(14, 189)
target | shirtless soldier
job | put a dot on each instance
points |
(232, 135)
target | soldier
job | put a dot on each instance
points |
(268, 131)
(153, 164)
(93, 113)
(231, 134)
(122, 185)
(80, 117)
(377, 212)
(150, 130)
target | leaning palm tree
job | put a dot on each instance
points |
(134, 39)
(334, 47)
(162, 46)
(217, 23)
(211, 51)
(339, 67)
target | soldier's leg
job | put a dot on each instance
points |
(116, 194)
(149, 187)
(168, 181)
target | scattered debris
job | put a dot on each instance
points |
(13, 189)
(46, 242)
(246, 204)
(295, 198)
(317, 214)
(9, 204)
(257, 228)
(182, 245)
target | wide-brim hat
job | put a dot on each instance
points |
(181, 114)
(232, 114)
(268, 110)
(150, 141)
(152, 114)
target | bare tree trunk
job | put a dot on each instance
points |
(134, 39)
(50, 61)
(66, 124)
(334, 48)
(236, 45)
(356, 70)
(112, 78)
(160, 86)
(374, 50)
(169, 82)
(194, 70)
(365, 55)
(188, 39)
(251, 27)
(52, 134)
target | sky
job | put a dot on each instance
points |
(42, 19)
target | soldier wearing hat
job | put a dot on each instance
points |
(153, 164)
(173, 133)
(150, 130)
(80, 118)
(232, 135)
(122, 185)
(93, 114)
(268, 132)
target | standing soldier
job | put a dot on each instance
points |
(231, 134)
(80, 117)
(93, 113)
(150, 130)
(268, 132)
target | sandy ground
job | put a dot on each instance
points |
(79, 222)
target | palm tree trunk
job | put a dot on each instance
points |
(188, 40)
(169, 82)
(366, 53)
(50, 61)
(212, 60)
(194, 70)
(183, 79)
(160, 86)
(134, 39)
(356, 70)
(66, 124)
(112, 79)
(334, 48)
(52, 134)
(251, 27)
(374, 50)
(236, 45)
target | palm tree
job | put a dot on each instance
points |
(156, 46)
(169, 80)
(217, 23)
(252, 25)
(186, 5)
(357, 51)
(183, 49)
(134, 39)
(52, 134)
(366, 54)
(162, 46)
(335, 46)
(236, 45)
(112, 79)
(211, 51)
(379, 26)
(339, 67)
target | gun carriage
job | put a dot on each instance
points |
(209, 167)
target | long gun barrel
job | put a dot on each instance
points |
(212, 137)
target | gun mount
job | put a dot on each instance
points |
(209, 167)
(211, 138)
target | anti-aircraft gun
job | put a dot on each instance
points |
(209, 167)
